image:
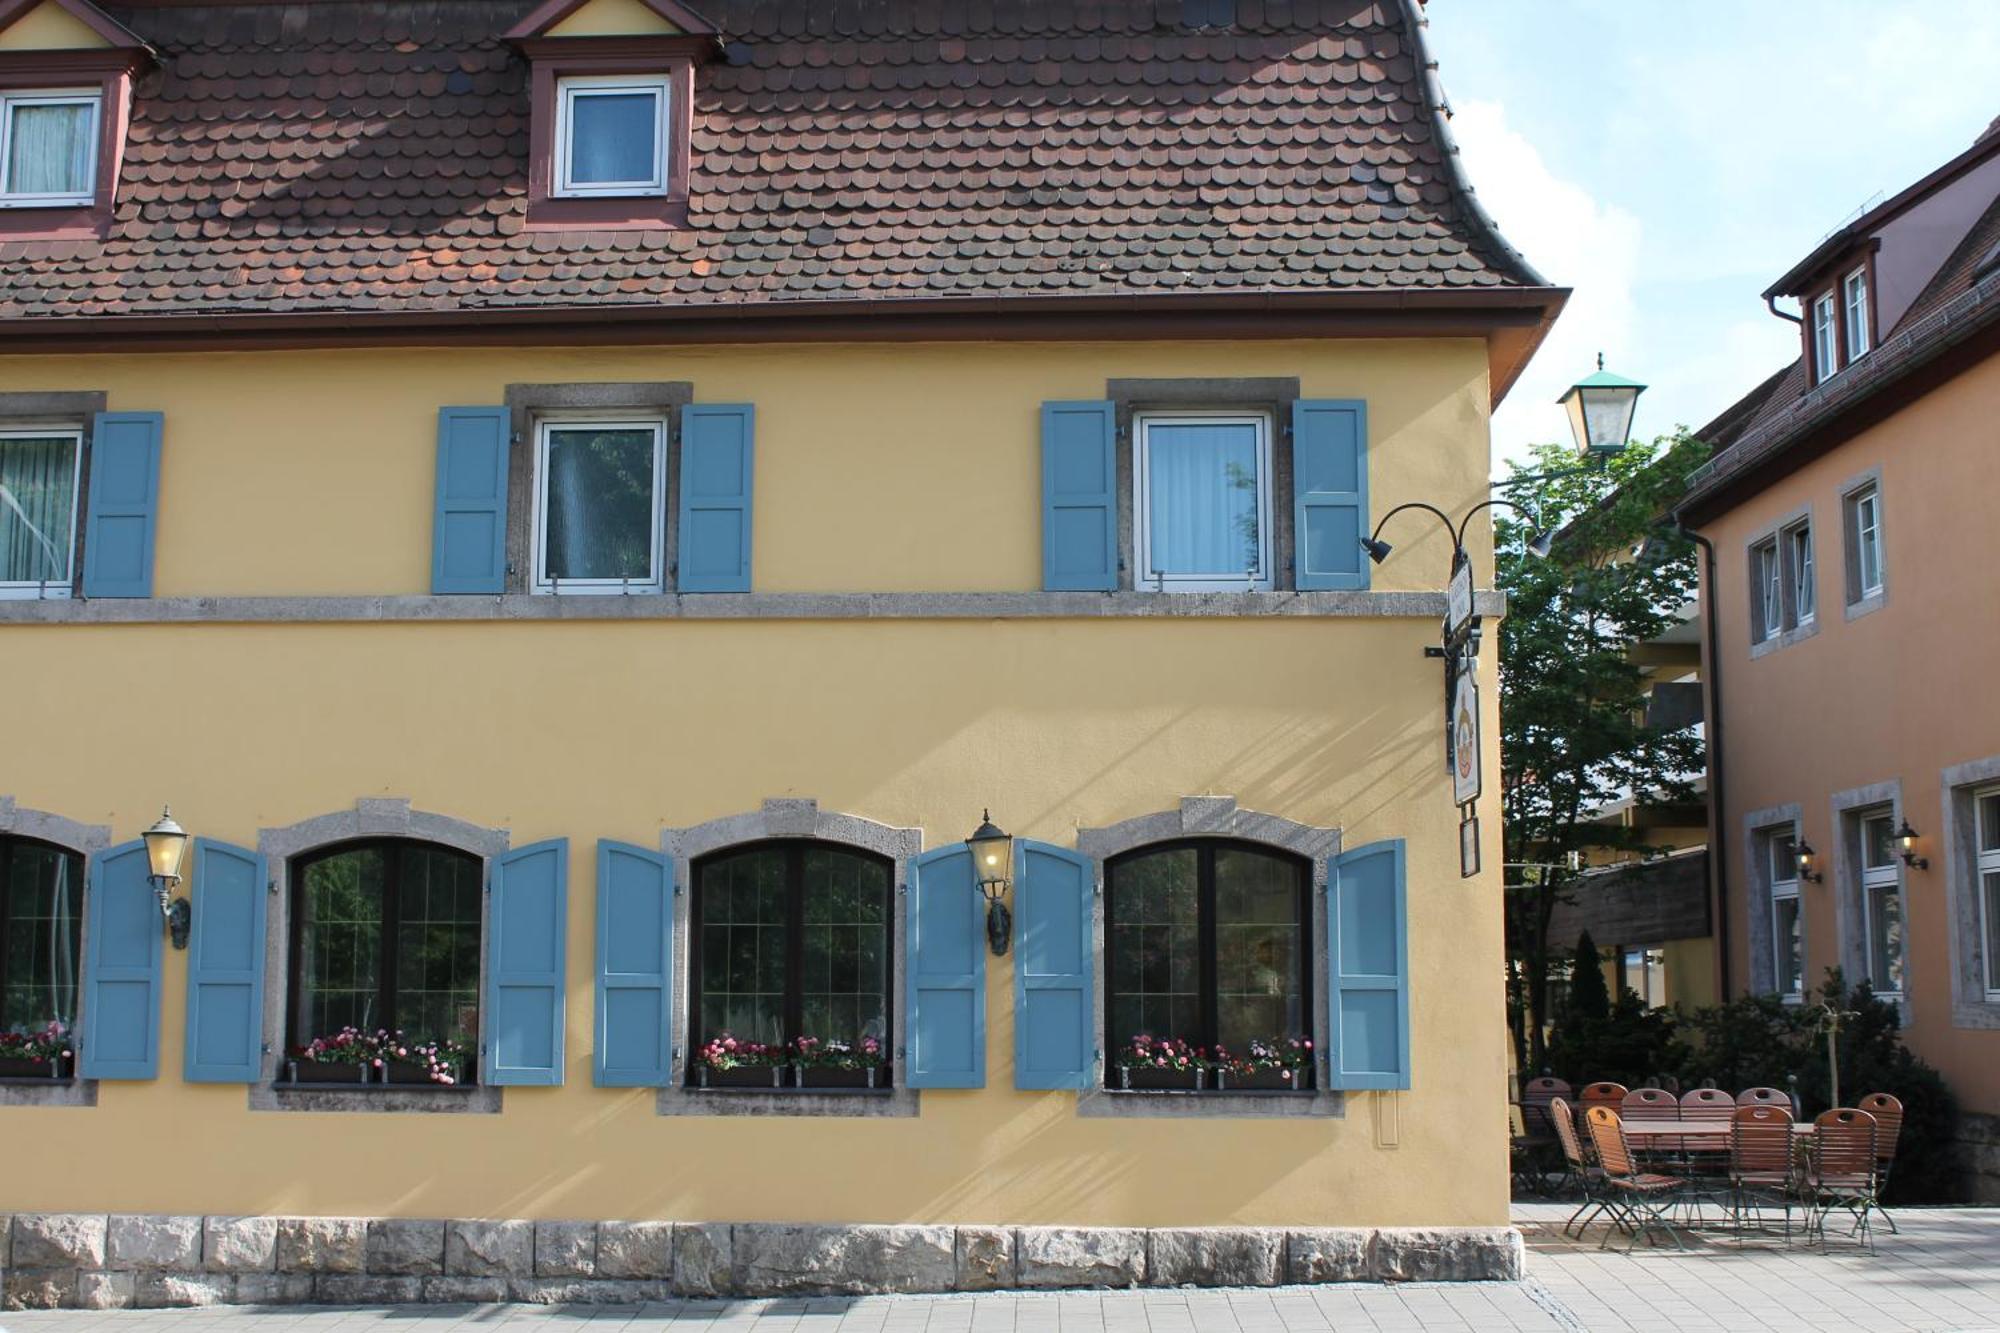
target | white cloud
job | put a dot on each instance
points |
(1575, 241)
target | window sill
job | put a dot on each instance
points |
(48, 1091)
(887, 1103)
(1796, 634)
(1210, 1104)
(1868, 605)
(795, 1092)
(433, 1098)
(1211, 1092)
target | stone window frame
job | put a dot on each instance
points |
(786, 819)
(1971, 1004)
(1274, 395)
(530, 404)
(371, 817)
(1217, 817)
(80, 408)
(86, 840)
(1854, 602)
(1850, 926)
(1791, 629)
(1758, 826)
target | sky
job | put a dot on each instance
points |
(1669, 160)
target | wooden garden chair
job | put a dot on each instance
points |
(1888, 1113)
(1602, 1094)
(1640, 1200)
(1840, 1171)
(1583, 1168)
(1762, 1165)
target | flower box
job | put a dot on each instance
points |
(822, 1076)
(406, 1072)
(743, 1076)
(31, 1068)
(1259, 1080)
(1160, 1080)
(328, 1071)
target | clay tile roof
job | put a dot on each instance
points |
(373, 156)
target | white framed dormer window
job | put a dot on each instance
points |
(1854, 300)
(1882, 902)
(1202, 513)
(611, 136)
(1800, 571)
(48, 147)
(1987, 866)
(1788, 953)
(1825, 339)
(40, 470)
(600, 506)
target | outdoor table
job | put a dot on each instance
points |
(1648, 1133)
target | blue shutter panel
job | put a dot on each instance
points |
(635, 934)
(225, 1002)
(1368, 958)
(121, 968)
(469, 530)
(1054, 1033)
(1330, 478)
(947, 973)
(526, 928)
(717, 458)
(1079, 497)
(124, 484)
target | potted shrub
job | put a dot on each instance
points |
(1273, 1065)
(1160, 1064)
(42, 1053)
(344, 1057)
(838, 1064)
(727, 1062)
(407, 1062)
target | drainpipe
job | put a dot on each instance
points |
(1717, 807)
(1771, 304)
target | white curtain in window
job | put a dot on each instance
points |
(1203, 511)
(37, 507)
(48, 149)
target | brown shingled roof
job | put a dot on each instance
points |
(372, 157)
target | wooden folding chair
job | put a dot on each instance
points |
(1761, 1162)
(1640, 1200)
(1602, 1094)
(1765, 1097)
(1888, 1113)
(1840, 1171)
(1583, 1168)
(1708, 1158)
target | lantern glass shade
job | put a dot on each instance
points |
(1601, 407)
(992, 851)
(166, 844)
(1906, 837)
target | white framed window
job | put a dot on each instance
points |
(1987, 867)
(600, 506)
(1788, 949)
(1768, 600)
(48, 147)
(1864, 542)
(1854, 299)
(1799, 572)
(40, 470)
(1882, 901)
(611, 136)
(1825, 328)
(1202, 513)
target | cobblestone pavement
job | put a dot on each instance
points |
(1941, 1273)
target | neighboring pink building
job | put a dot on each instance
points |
(1851, 502)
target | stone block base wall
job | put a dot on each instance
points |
(1979, 1150)
(96, 1261)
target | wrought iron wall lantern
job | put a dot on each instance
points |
(166, 846)
(992, 862)
(1906, 843)
(1803, 850)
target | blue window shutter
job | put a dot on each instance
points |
(1079, 497)
(716, 468)
(1330, 479)
(945, 935)
(635, 938)
(526, 930)
(1368, 960)
(121, 968)
(225, 1001)
(1055, 1043)
(124, 484)
(469, 530)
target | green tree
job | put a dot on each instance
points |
(1573, 733)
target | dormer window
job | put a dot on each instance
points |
(1825, 338)
(1854, 296)
(611, 137)
(48, 147)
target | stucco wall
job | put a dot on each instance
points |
(903, 468)
(1896, 695)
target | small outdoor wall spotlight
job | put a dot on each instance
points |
(1803, 850)
(166, 845)
(992, 855)
(1906, 842)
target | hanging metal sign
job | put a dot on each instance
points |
(1466, 777)
(1468, 846)
(1458, 602)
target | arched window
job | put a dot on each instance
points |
(1205, 942)
(791, 939)
(41, 934)
(385, 934)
